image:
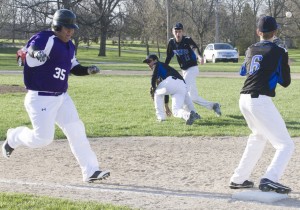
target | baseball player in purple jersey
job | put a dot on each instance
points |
(187, 53)
(266, 64)
(50, 59)
(167, 81)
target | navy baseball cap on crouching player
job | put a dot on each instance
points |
(267, 24)
(178, 26)
(150, 57)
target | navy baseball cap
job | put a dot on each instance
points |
(267, 24)
(178, 26)
(152, 57)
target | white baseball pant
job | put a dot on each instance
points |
(178, 91)
(266, 124)
(190, 76)
(44, 112)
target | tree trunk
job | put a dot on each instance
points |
(158, 48)
(102, 50)
(119, 44)
(76, 40)
(147, 46)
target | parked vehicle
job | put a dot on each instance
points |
(21, 54)
(215, 52)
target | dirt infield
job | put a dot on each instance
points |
(11, 89)
(146, 173)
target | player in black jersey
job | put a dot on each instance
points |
(266, 65)
(167, 81)
(187, 53)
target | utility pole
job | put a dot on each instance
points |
(217, 21)
(168, 20)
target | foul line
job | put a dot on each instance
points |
(116, 188)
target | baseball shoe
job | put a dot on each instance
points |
(196, 115)
(217, 109)
(191, 119)
(99, 175)
(267, 185)
(245, 184)
(6, 149)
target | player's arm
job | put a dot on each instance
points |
(35, 52)
(80, 70)
(170, 52)
(154, 76)
(167, 109)
(243, 69)
(285, 76)
(31, 50)
(196, 50)
(153, 83)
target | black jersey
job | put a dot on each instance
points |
(184, 52)
(266, 64)
(161, 71)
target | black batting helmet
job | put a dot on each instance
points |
(64, 17)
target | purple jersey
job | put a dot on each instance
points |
(51, 75)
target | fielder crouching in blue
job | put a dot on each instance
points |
(50, 59)
(266, 64)
(167, 81)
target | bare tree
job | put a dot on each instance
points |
(200, 13)
(99, 19)
(256, 6)
(233, 19)
(143, 16)
(105, 15)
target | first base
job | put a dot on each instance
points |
(255, 195)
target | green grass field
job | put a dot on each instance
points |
(16, 201)
(121, 106)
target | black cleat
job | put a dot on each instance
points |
(195, 115)
(245, 184)
(217, 109)
(192, 118)
(6, 150)
(267, 185)
(99, 175)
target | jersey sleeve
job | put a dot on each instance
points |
(170, 52)
(154, 77)
(79, 70)
(39, 42)
(74, 61)
(285, 74)
(193, 45)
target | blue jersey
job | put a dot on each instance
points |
(51, 75)
(161, 71)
